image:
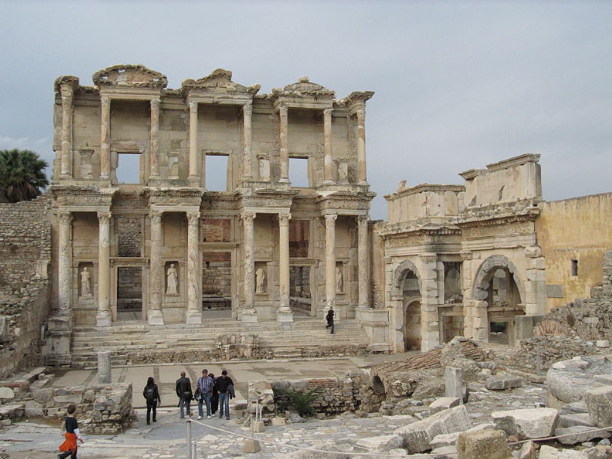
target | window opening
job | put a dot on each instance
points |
(298, 172)
(216, 172)
(128, 168)
(574, 267)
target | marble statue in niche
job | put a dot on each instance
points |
(260, 280)
(171, 281)
(85, 283)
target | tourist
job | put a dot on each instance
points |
(225, 386)
(183, 392)
(330, 319)
(204, 393)
(151, 395)
(69, 447)
(214, 400)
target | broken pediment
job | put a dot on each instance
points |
(304, 87)
(129, 75)
(219, 81)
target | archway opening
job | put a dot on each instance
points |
(411, 295)
(504, 304)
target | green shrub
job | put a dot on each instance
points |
(288, 399)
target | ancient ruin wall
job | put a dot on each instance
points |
(25, 252)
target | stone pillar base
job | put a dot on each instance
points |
(284, 317)
(58, 338)
(249, 315)
(103, 319)
(155, 317)
(194, 317)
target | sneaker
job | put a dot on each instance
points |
(208, 417)
(200, 417)
(227, 419)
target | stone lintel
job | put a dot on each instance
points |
(514, 162)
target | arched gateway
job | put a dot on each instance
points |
(408, 288)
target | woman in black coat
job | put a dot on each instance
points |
(151, 395)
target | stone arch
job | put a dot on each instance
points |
(486, 271)
(400, 274)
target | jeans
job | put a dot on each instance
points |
(330, 324)
(205, 399)
(182, 403)
(224, 405)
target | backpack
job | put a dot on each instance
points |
(150, 393)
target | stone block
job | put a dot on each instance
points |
(503, 382)
(603, 379)
(278, 421)
(578, 419)
(381, 443)
(251, 446)
(548, 452)
(579, 434)
(490, 444)
(529, 450)
(33, 409)
(454, 382)
(6, 393)
(599, 404)
(527, 423)
(443, 403)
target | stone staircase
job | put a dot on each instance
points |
(221, 339)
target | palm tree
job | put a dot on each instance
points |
(22, 175)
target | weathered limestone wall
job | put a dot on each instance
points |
(574, 229)
(25, 254)
(425, 201)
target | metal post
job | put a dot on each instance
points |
(189, 445)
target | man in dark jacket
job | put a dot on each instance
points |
(225, 386)
(183, 392)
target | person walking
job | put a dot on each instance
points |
(214, 400)
(70, 447)
(225, 386)
(330, 319)
(151, 395)
(183, 392)
(204, 390)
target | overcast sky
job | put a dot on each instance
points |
(459, 84)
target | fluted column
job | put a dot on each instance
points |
(327, 143)
(65, 272)
(364, 266)
(249, 314)
(103, 318)
(247, 112)
(67, 92)
(193, 144)
(283, 263)
(154, 315)
(105, 126)
(361, 152)
(330, 260)
(194, 273)
(283, 114)
(154, 149)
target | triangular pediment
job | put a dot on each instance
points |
(219, 81)
(305, 87)
(130, 75)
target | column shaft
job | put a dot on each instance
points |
(283, 263)
(194, 303)
(364, 266)
(67, 113)
(284, 143)
(247, 111)
(193, 141)
(65, 252)
(361, 152)
(154, 149)
(154, 315)
(105, 127)
(249, 260)
(103, 318)
(330, 260)
(327, 141)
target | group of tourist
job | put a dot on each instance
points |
(214, 393)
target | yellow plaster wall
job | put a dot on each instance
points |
(575, 229)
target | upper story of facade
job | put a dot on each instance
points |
(129, 117)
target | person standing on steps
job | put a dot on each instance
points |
(70, 447)
(330, 319)
(183, 392)
(151, 395)
(225, 386)
(205, 385)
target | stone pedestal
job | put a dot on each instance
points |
(193, 317)
(454, 382)
(103, 319)
(251, 446)
(284, 317)
(104, 368)
(58, 338)
(375, 323)
(155, 317)
(249, 315)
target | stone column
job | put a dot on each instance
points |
(330, 260)
(249, 314)
(64, 268)
(283, 262)
(105, 367)
(361, 155)
(327, 142)
(247, 111)
(430, 327)
(194, 273)
(284, 144)
(105, 126)
(193, 144)
(103, 318)
(364, 266)
(154, 314)
(67, 92)
(154, 149)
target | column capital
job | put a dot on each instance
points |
(283, 110)
(104, 217)
(155, 215)
(193, 217)
(330, 218)
(466, 254)
(193, 107)
(283, 218)
(247, 108)
(67, 90)
(248, 216)
(327, 111)
(155, 103)
(360, 114)
(65, 217)
(105, 101)
(363, 220)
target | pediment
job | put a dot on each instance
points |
(305, 87)
(219, 81)
(128, 75)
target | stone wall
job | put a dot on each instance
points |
(25, 252)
